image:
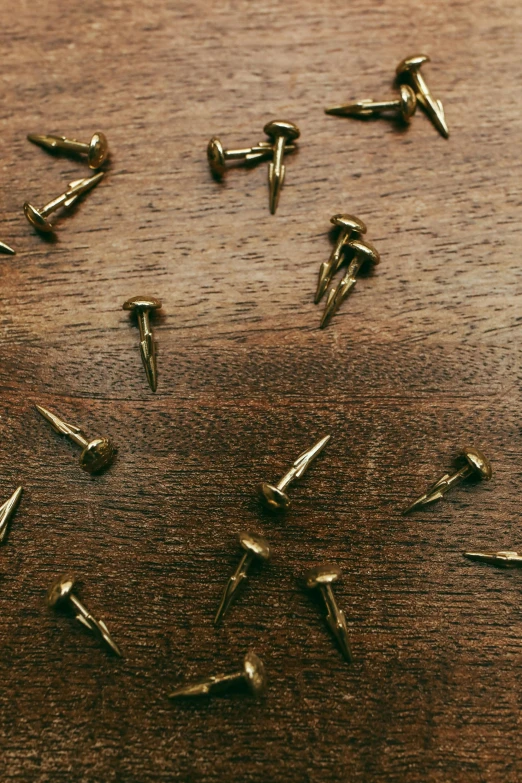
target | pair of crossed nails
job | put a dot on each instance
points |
(413, 90)
(282, 134)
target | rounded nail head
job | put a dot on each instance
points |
(479, 463)
(254, 673)
(60, 590)
(97, 455)
(322, 575)
(36, 219)
(216, 156)
(408, 102)
(366, 250)
(255, 545)
(412, 63)
(140, 303)
(349, 223)
(275, 498)
(283, 128)
(98, 150)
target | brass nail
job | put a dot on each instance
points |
(475, 463)
(274, 496)
(6, 249)
(322, 577)
(280, 132)
(7, 510)
(218, 156)
(351, 228)
(37, 217)
(96, 149)
(405, 106)
(96, 454)
(409, 70)
(142, 306)
(363, 253)
(252, 675)
(256, 548)
(61, 593)
(504, 559)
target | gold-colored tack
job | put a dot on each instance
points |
(96, 454)
(363, 253)
(6, 249)
(275, 496)
(409, 70)
(96, 149)
(404, 106)
(7, 510)
(322, 577)
(252, 675)
(281, 132)
(218, 156)
(350, 228)
(142, 307)
(475, 463)
(38, 217)
(504, 559)
(256, 548)
(61, 593)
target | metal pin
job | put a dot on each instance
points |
(322, 577)
(351, 228)
(505, 559)
(142, 307)
(6, 249)
(364, 252)
(218, 156)
(61, 592)
(274, 496)
(405, 106)
(7, 510)
(409, 68)
(37, 217)
(96, 454)
(96, 149)
(253, 676)
(256, 548)
(475, 462)
(280, 132)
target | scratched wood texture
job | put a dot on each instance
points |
(423, 358)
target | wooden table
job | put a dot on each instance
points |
(422, 359)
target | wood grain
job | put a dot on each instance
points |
(421, 359)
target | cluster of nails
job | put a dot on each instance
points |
(96, 151)
(98, 454)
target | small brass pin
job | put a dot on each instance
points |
(322, 577)
(409, 70)
(404, 106)
(275, 496)
(96, 149)
(252, 675)
(61, 593)
(505, 559)
(350, 228)
(142, 306)
(363, 253)
(38, 217)
(96, 454)
(6, 249)
(475, 463)
(7, 510)
(281, 132)
(256, 548)
(218, 156)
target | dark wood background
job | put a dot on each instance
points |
(423, 358)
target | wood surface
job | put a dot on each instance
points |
(423, 358)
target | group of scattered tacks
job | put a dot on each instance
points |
(413, 90)
(96, 151)
(97, 454)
